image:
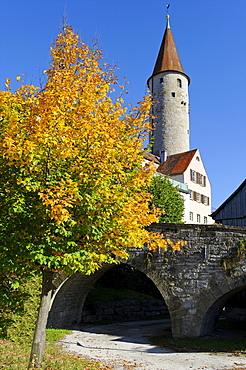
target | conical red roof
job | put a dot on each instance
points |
(168, 58)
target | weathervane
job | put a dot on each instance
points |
(167, 6)
(167, 16)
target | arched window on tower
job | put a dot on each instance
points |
(179, 82)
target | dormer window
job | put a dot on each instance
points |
(179, 82)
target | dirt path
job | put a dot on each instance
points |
(127, 346)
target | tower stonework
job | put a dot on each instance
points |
(169, 87)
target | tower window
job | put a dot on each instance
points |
(173, 94)
(179, 82)
(161, 80)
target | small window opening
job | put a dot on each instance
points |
(173, 94)
(179, 82)
(161, 80)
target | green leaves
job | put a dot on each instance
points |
(167, 198)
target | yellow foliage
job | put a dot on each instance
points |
(80, 152)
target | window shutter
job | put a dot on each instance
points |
(208, 201)
(194, 195)
(190, 174)
(204, 180)
(198, 178)
(202, 200)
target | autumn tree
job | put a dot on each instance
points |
(73, 189)
(167, 198)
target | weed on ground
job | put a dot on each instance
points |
(15, 356)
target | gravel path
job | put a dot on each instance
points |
(127, 346)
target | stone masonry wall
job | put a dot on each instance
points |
(126, 310)
(192, 282)
(171, 104)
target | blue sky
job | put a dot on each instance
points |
(210, 37)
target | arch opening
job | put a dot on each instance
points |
(217, 317)
(124, 293)
(70, 306)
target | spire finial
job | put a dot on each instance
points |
(168, 16)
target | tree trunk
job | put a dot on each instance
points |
(39, 337)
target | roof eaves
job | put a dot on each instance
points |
(228, 199)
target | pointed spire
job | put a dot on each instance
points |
(168, 58)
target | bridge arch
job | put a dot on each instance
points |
(191, 281)
(212, 314)
(68, 301)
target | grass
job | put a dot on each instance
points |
(15, 356)
(102, 294)
(236, 346)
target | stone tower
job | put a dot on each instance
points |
(169, 87)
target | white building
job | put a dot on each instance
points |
(170, 136)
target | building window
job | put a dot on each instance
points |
(197, 158)
(161, 80)
(198, 218)
(198, 197)
(179, 82)
(191, 195)
(205, 220)
(206, 200)
(198, 177)
(191, 216)
(173, 94)
(193, 175)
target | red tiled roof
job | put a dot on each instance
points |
(177, 163)
(152, 157)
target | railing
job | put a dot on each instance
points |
(179, 185)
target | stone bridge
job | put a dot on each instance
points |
(192, 281)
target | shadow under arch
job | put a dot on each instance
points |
(67, 304)
(213, 313)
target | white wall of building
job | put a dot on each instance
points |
(200, 191)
